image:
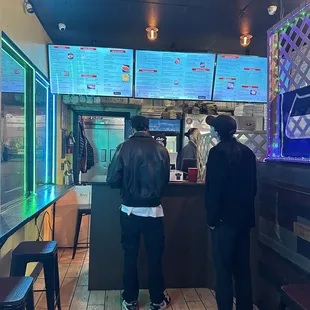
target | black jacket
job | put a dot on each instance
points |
(189, 151)
(231, 185)
(141, 169)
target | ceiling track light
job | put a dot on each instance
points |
(152, 33)
(28, 7)
(245, 40)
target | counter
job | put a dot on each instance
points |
(187, 258)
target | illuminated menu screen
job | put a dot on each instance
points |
(165, 125)
(240, 78)
(167, 75)
(91, 71)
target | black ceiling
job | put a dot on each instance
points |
(184, 25)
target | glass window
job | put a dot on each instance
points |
(43, 167)
(12, 133)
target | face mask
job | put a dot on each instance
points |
(214, 134)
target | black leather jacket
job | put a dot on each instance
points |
(141, 169)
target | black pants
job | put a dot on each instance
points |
(154, 238)
(231, 255)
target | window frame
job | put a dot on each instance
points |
(32, 74)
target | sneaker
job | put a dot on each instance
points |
(163, 305)
(130, 305)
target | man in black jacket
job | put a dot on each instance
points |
(230, 194)
(141, 169)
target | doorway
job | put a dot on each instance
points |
(104, 133)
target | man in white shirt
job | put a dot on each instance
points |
(141, 169)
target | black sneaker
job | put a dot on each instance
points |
(163, 305)
(130, 305)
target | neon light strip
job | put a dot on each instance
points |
(54, 141)
(46, 127)
(34, 130)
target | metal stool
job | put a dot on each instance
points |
(82, 211)
(295, 297)
(44, 252)
(16, 293)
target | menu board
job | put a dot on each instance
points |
(167, 75)
(240, 78)
(12, 75)
(91, 71)
(165, 125)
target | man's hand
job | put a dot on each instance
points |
(211, 227)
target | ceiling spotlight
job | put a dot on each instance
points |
(245, 40)
(272, 9)
(152, 33)
(28, 7)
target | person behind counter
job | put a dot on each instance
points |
(189, 151)
(230, 194)
(141, 169)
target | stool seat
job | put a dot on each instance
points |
(298, 294)
(14, 291)
(35, 248)
(44, 252)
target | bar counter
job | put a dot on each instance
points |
(187, 258)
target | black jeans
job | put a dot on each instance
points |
(231, 255)
(154, 238)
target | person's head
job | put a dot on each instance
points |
(223, 127)
(162, 139)
(139, 123)
(193, 135)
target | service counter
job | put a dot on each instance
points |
(187, 259)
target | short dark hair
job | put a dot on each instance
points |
(190, 132)
(140, 123)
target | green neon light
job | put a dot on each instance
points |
(34, 130)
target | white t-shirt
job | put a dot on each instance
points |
(144, 212)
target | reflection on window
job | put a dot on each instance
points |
(12, 129)
(41, 134)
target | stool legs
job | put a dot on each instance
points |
(57, 284)
(30, 300)
(18, 268)
(49, 275)
(77, 232)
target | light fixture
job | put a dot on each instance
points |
(245, 40)
(272, 9)
(152, 33)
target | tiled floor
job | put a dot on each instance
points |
(75, 294)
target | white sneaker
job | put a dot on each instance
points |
(163, 305)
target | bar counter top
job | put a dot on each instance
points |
(15, 216)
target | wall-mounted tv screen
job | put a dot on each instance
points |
(295, 123)
(165, 125)
(169, 75)
(91, 71)
(240, 78)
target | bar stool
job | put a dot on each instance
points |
(82, 211)
(44, 252)
(295, 297)
(16, 293)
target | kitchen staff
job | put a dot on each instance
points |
(190, 150)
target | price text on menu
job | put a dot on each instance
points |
(166, 75)
(91, 71)
(240, 78)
